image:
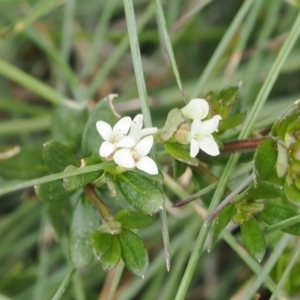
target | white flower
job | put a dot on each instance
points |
(136, 130)
(114, 137)
(196, 109)
(201, 136)
(137, 157)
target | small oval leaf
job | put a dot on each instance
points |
(74, 183)
(181, 154)
(253, 238)
(57, 156)
(107, 249)
(85, 220)
(133, 219)
(134, 253)
(264, 159)
(220, 222)
(143, 194)
(52, 191)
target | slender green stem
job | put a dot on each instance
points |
(247, 258)
(222, 46)
(18, 186)
(66, 40)
(93, 54)
(22, 126)
(283, 224)
(280, 246)
(271, 78)
(116, 55)
(163, 28)
(11, 72)
(97, 202)
(59, 293)
(287, 271)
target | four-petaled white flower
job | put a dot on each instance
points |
(137, 156)
(201, 136)
(196, 109)
(114, 137)
(128, 150)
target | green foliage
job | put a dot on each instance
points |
(133, 219)
(107, 248)
(27, 164)
(134, 253)
(85, 220)
(140, 192)
(69, 119)
(274, 213)
(74, 183)
(57, 156)
(264, 159)
(181, 154)
(253, 238)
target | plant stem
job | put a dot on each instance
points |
(97, 202)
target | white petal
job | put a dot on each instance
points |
(196, 126)
(106, 149)
(209, 145)
(210, 126)
(147, 165)
(122, 126)
(137, 122)
(148, 131)
(126, 142)
(196, 108)
(123, 158)
(104, 130)
(143, 147)
(194, 148)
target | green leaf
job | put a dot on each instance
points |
(264, 159)
(291, 191)
(68, 123)
(181, 154)
(253, 238)
(107, 249)
(231, 121)
(27, 164)
(142, 193)
(274, 213)
(59, 214)
(224, 101)
(220, 222)
(174, 119)
(91, 139)
(57, 156)
(74, 183)
(133, 219)
(134, 253)
(52, 191)
(265, 190)
(85, 220)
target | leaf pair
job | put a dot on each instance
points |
(110, 248)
